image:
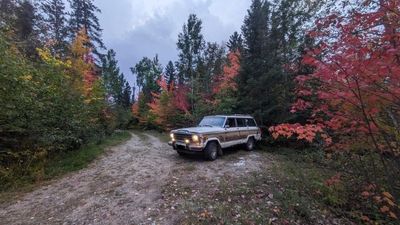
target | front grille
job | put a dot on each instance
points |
(182, 137)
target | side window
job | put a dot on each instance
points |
(251, 123)
(241, 122)
(231, 122)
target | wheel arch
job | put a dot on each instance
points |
(212, 140)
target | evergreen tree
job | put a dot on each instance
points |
(190, 45)
(57, 30)
(210, 67)
(255, 32)
(170, 73)
(26, 28)
(7, 14)
(147, 72)
(126, 95)
(272, 34)
(114, 81)
(83, 15)
(235, 42)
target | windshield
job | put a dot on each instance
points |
(212, 121)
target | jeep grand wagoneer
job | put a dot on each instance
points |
(215, 133)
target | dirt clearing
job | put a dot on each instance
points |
(144, 181)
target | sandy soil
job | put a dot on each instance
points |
(124, 186)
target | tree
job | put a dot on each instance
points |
(353, 92)
(272, 34)
(7, 14)
(126, 95)
(114, 81)
(56, 27)
(225, 86)
(210, 67)
(190, 45)
(170, 73)
(79, 55)
(162, 105)
(83, 16)
(25, 28)
(147, 73)
(235, 42)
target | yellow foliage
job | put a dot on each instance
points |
(46, 56)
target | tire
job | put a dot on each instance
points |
(181, 153)
(220, 151)
(211, 151)
(250, 144)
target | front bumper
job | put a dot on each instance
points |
(179, 146)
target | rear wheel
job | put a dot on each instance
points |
(250, 144)
(211, 151)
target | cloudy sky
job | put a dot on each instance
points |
(137, 28)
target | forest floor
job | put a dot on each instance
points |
(144, 181)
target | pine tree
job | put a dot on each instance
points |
(255, 33)
(83, 15)
(212, 62)
(7, 14)
(113, 80)
(26, 28)
(190, 45)
(235, 42)
(126, 95)
(170, 73)
(57, 30)
(272, 33)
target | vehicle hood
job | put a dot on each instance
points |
(198, 130)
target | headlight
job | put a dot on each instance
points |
(172, 136)
(195, 138)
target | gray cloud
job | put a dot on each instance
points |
(137, 28)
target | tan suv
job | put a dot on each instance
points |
(215, 133)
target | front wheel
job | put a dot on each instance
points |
(211, 151)
(181, 153)
(250, 144)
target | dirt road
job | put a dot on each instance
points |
(130, 184)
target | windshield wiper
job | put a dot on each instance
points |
(206, 125)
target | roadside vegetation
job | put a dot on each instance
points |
(58, 165)
(54, 97)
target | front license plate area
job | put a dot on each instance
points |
(180, 143)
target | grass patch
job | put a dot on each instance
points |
(308, 185)
(76, 160)
(62, 164)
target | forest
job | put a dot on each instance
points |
(319, 75)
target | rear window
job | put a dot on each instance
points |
(251, 123)
(241, 122)
(231, 122)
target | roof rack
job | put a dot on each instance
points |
(236, 115)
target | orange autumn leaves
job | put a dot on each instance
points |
(307, 132)
(172, 101)
(230, 71)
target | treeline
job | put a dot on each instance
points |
(249, 74)
(58, 90)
